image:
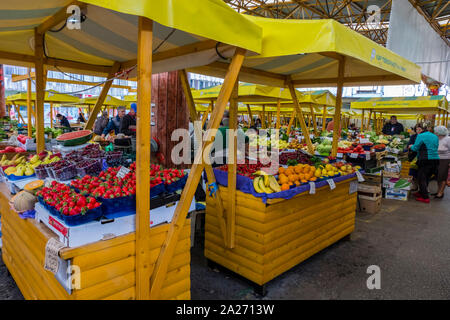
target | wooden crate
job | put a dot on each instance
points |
(272, 238)
(404, 173)
(370, 205)
(369, 191)
(107, 267)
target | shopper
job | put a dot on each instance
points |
(63, 122)
(393, 127)
(444, 159)
(81, 117)
(426, 145)
(114, 122)
(418, 129)
(128, 123)
(101, 123)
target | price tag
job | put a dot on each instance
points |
(331, 183)
(353, 155)
(359, 176)
(367, 155)
(353, 187)
(312, 188)
(339, 155)
(122, 172)
(51, 262)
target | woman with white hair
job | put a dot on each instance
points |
(444, 159)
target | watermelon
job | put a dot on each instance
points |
(74, 138)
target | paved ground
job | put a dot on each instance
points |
(409, 241)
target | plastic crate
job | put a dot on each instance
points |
(41, 171)
(93, 168)
(177, 185)
(79, 219)
(51, 210)
(114, 205)
(13, 177)
(157, 190)
(114, 158)
(65, 173)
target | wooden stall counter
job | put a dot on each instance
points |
(274, 237)
(107, 269)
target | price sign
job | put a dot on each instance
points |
(353, 187)
(122, 172)
(359, 176)
(331, 183)
(339, 155)
(312, 188)
(367, 155)
(353, 155)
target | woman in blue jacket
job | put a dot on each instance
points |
(426, 146)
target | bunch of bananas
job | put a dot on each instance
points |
(265, 183)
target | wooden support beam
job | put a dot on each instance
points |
(324, 119)
(195, 173)
(232, 160)
(58, 17)
(143, 137)
(337, 109)
(368, 120)
(206, 114)
(278, 114)
(188, 95)
(19, 115)
(301, 117)
(291, 122)
(40, 90)
(313, 116)
(29, 107)
(51, 115)
(103, 94)
(251, 121)
(263, 117)
(359, 79)
(362, 120)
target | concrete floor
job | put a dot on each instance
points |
(409, 241)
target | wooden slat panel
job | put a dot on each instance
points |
(249, 234)
(184, 296)
(106, 272)
(127, 294)
(175, 289)
(107, 288)
(241, 269)
(177, 274)
(320, 246)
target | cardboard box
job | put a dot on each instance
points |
(387, 174)
(390, 183)
(370, 206)
(397, 194)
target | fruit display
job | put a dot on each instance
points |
(65, 200)
(63, 170)
(74, 138)
(294, 144)
(88, 167)
(296, 175)
(265, 183)
(294, 158)
(246, 170)
(168, 176)
(355, 148)
(10, 149)
(34, 186)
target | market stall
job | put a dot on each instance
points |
(261, 239)
(141, 262)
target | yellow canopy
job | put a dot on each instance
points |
(109, 33)
(109, 101)
(308, 52)
(51, 96)
(403, 105)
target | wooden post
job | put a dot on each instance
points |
(251, 121)
(19, 115)
(29, 116)
(313, 119)
(368, 120)
(291, 122)
(205, 115)
(278, 113)
(301, 117)
(143, 136)
(263, 117)
(51, 115)
(362, 120)
(232, 160)
(101, 98)
(324, 119)
(375, 124)
(40, 89)
(195, 173)
(337, 110)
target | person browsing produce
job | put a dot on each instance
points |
(444, 159)
(426, 145)
(393, 127)
(128, 123)
(114, 123)
(63, 122)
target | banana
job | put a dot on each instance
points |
(273, 184)
(263, 186)
(256, 185)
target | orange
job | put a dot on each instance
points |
(292, 178)
(284, 186)
(313, 178)
(281, 170)
(283, 179)
(297, 183)
(298, 169)
(303, 181)
(302, 176)
(289, 171)
(308, 175)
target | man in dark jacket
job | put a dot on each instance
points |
(114, 123)
(63, 122)
(393, 127)
(128, 124)
(101, 123)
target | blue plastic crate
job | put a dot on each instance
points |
(13, 177)
(79, 219)
(157, 190)
(114, 205)
(177, 185)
